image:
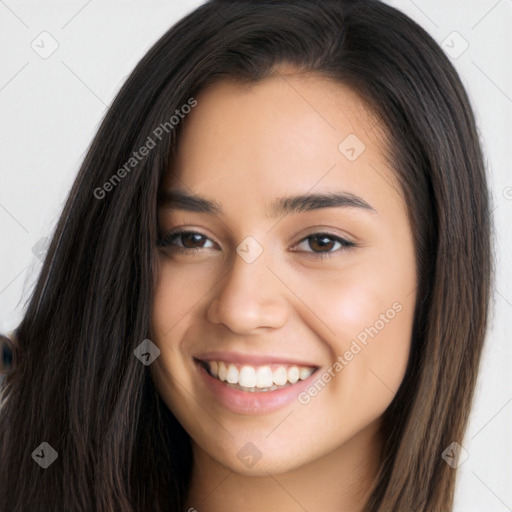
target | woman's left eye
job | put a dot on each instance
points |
(322, 244)
(326, 243)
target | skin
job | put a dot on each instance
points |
(243, 146)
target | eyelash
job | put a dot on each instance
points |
(167, 240)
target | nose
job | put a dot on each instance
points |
(249, 297)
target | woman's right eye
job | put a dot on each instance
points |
(184, 241)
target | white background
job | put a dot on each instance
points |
(50, 110)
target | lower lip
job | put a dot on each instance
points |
(247, 402)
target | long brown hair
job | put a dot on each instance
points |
(77, 385)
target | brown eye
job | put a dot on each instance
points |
(321, 243)
(325, 244)
(192, 240)
(184, 240)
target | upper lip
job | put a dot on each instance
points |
(252, 359)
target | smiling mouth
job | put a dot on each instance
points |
(262, 378)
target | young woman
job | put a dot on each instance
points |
(269, 286)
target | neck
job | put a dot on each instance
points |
(340, 480)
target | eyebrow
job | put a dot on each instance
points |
(180, 200)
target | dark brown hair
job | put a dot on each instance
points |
(79, 387)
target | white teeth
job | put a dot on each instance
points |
(280, 376)
(304, 373)
(247, 377)
(232, 375)
(264, 377)
(222, 371)
(260, 377)
(293, 374)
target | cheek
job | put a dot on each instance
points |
(176, 295)
(371, 310)
(178, 292)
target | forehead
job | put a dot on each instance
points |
(289, 132)
(285, 107)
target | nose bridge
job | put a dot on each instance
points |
(250, 295)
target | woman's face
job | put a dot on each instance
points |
(301, 260)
